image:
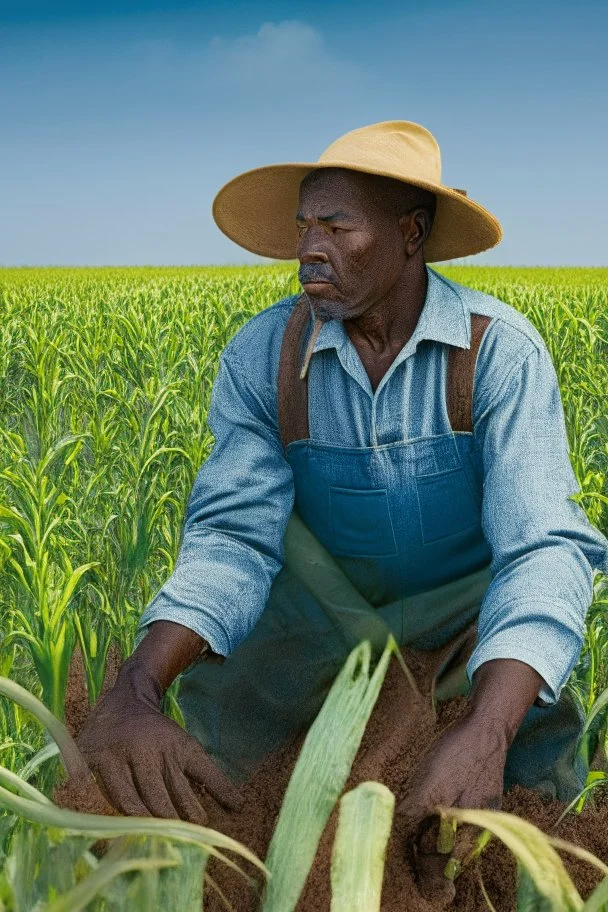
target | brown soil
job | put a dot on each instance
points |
(77, 697)
(391, 749)
(83, 796)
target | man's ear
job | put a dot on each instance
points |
(415, 227)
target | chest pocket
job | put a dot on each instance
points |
(361, 523)
(446, 504)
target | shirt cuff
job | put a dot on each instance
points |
(162, 608)
(549, 647)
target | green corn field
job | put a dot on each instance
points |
(105, 382)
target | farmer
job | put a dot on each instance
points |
(390, 455)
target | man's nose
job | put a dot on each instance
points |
(314, 255)
(310, 246)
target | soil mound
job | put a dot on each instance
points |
(401, 730)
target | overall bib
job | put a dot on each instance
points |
(381, 538)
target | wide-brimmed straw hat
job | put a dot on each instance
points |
(257, 208)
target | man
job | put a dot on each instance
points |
(418, 500)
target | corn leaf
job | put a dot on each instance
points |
(533, 851)
(73, 759)
(167, 877)
(578, 852)
(528, 897)
(101, 827)
(359, 852)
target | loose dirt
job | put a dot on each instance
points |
(402, 728)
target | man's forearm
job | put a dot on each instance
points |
(503, 692)
(165, 651)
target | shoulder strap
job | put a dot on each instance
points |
(460, 377)
(293, 389)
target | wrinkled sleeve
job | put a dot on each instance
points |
(544, 549)
(236, 516)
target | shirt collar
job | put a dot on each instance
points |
(444, 318)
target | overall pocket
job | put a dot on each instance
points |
(446, 504)
(361, 523)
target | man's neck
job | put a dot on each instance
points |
(388, 324)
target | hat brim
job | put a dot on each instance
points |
(257, 210)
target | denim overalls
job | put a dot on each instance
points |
(381, 538)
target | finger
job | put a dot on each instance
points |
(152, 790)
(199, 766)
(428, 865)
(184, 797)
(421, 844)
(116, 781)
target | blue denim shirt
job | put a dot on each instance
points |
(544, 549)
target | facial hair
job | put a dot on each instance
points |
(325, 309)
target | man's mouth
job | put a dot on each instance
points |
(312, 274)
(315, 285)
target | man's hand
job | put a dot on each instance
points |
(465, 769)
(466, 766)
(141, 758)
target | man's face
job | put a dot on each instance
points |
(351, 251)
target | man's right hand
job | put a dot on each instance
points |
(142, 759)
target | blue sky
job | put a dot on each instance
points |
(119, 121)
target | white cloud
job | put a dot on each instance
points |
(289, 59)
(271, 41)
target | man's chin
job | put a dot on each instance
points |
(327, 308)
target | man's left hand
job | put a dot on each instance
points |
(465, 767)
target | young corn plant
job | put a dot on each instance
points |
(43, 578)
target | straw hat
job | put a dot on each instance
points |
(257, 208)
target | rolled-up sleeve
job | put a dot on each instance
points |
(236, 516)
(544, 548)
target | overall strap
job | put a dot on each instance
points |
(460, 377)
(293, 390)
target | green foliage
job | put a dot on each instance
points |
(534, 853)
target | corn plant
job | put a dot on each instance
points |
(43, 587)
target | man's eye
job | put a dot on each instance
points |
(329, 229)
